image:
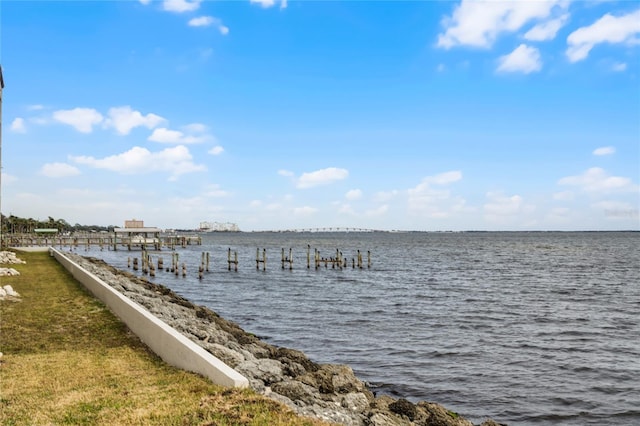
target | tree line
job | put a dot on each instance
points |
(18, 225)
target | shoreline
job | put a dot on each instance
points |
(329, 392)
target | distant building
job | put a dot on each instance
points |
(218, 227)
(133, 223)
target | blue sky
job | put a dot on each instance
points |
(417, 115)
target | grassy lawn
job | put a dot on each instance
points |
(69, 360)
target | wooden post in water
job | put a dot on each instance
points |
(184, 269)
(234, 261)
(308, 255)
(135, 263)
(128, 262)
(288, 260)
(368, 258)
(263, 260)
(207, 262)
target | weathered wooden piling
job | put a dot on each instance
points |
(288, 260)
(232, 262)
(263, 260)
(135, 263)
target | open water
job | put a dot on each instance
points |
(525, 328)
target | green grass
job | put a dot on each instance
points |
(69, 361)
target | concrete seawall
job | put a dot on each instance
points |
(170, 345)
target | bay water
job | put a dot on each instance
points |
(527, 328)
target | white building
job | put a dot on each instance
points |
(218, 227)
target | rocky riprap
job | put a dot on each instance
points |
(326, 391)
(9, 258)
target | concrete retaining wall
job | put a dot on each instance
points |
(172, 346)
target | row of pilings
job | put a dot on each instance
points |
(337, 261)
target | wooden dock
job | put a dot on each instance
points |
(108, 241)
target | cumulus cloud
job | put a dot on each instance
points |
(269, 3)
(304, 211)
(176, 161)
(523, 59)
(499, 204)
(164, 135)
(18, 125)
(124, 119)
(216, 150)
(478, 24)
(596, 180)
(321, 177)
(285, 173)
(384, 196)
(378, 211)
(605, 150)
(431, 197)
(57, 170)
(7, 178)
(354, 194)
(215, 191)
(619, 67)
(180, 6)
(546, 30)
(608, 29)
(205, 21)
(81, 119)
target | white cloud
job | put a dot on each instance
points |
(176, 160)
(546, 30)
(264, 3)
(435, 202)
(384, 196)
(205, 21)
(285, 173)
(124, 119)
(216, 150)
(201, 21)
(608, 29)
(378, 211)
(7, 178)
(18, 126)
(81, 119)
(283, 4)
(164, 135)
(524, 59)
(354, 194)
(619, 67)
(304, 211)
(605, 150)
(321, 177)
(563, 196)
(596, 180)
(180, 6)
(56, 170)
(214, 191)
(145, 2)
(478, 23)
(35, 107)
(499, 204)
